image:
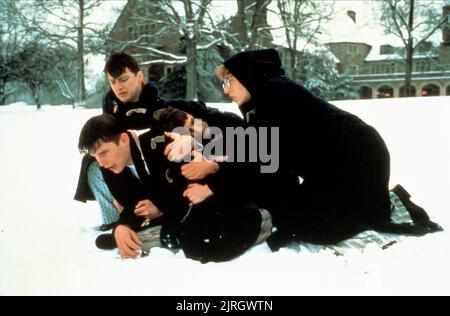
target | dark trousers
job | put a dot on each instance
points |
(217, 233)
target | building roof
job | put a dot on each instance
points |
(342, 29)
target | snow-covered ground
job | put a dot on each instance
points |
(47, 240)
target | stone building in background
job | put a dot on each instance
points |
(379, 71)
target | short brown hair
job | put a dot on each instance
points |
(99, 129)
(170, 118)
(118, 62)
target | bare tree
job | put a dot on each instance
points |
(65, 22)
(249, 28)
(414, 23)
(33, 66)
(13, 36)
(302, 21)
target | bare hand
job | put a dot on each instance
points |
(128, 242)
(147, 209)
(180, 148)
(199, 169)
(197, 193)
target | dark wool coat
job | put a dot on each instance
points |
(134, 115)
(342, 162)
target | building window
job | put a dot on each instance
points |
(168, 70)
(386, 50)
(431, 90)
(403, 92)
(423, 66)
(383, 68)
(385, 92)
(365, 92)
(448, 91)
(352, 70)
(352, 49)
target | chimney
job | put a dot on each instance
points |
(446, 26)
(352, 15)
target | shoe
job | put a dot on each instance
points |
(105, 227)
(417, 213)
(279, 239)
(106, 242)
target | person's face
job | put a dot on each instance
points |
(195, 126)
(128, 86)
(112, 156)
(235, 90)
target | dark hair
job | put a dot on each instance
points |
(170, 118)
(97, 130)
(117, 62)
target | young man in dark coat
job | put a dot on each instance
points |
(207, 225)
(334, 169)
(132, 101)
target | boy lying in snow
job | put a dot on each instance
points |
(206, 225)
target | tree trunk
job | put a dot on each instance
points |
(80, 57)
(293, 64)
(257, 22)
(2, 92)
(191, 70)
(191, 52)
(35, 95)
(409, 53)
(242, 26)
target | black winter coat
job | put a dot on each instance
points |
(342, 162)
(134, 115)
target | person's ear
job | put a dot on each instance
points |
(124, 139)
(140, 75)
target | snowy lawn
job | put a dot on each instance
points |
(47, 241)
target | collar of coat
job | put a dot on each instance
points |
(149, 94)
(136, 152)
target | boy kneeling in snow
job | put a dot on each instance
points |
(206, 225)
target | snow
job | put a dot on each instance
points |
(47, 239)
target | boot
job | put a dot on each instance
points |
(417, 213)
(280, 239)
(106, 242)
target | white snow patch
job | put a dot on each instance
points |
(47, 241)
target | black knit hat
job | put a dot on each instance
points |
(255, 66)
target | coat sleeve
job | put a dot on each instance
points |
(83, 192)
(236, 179)
(107, 103)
